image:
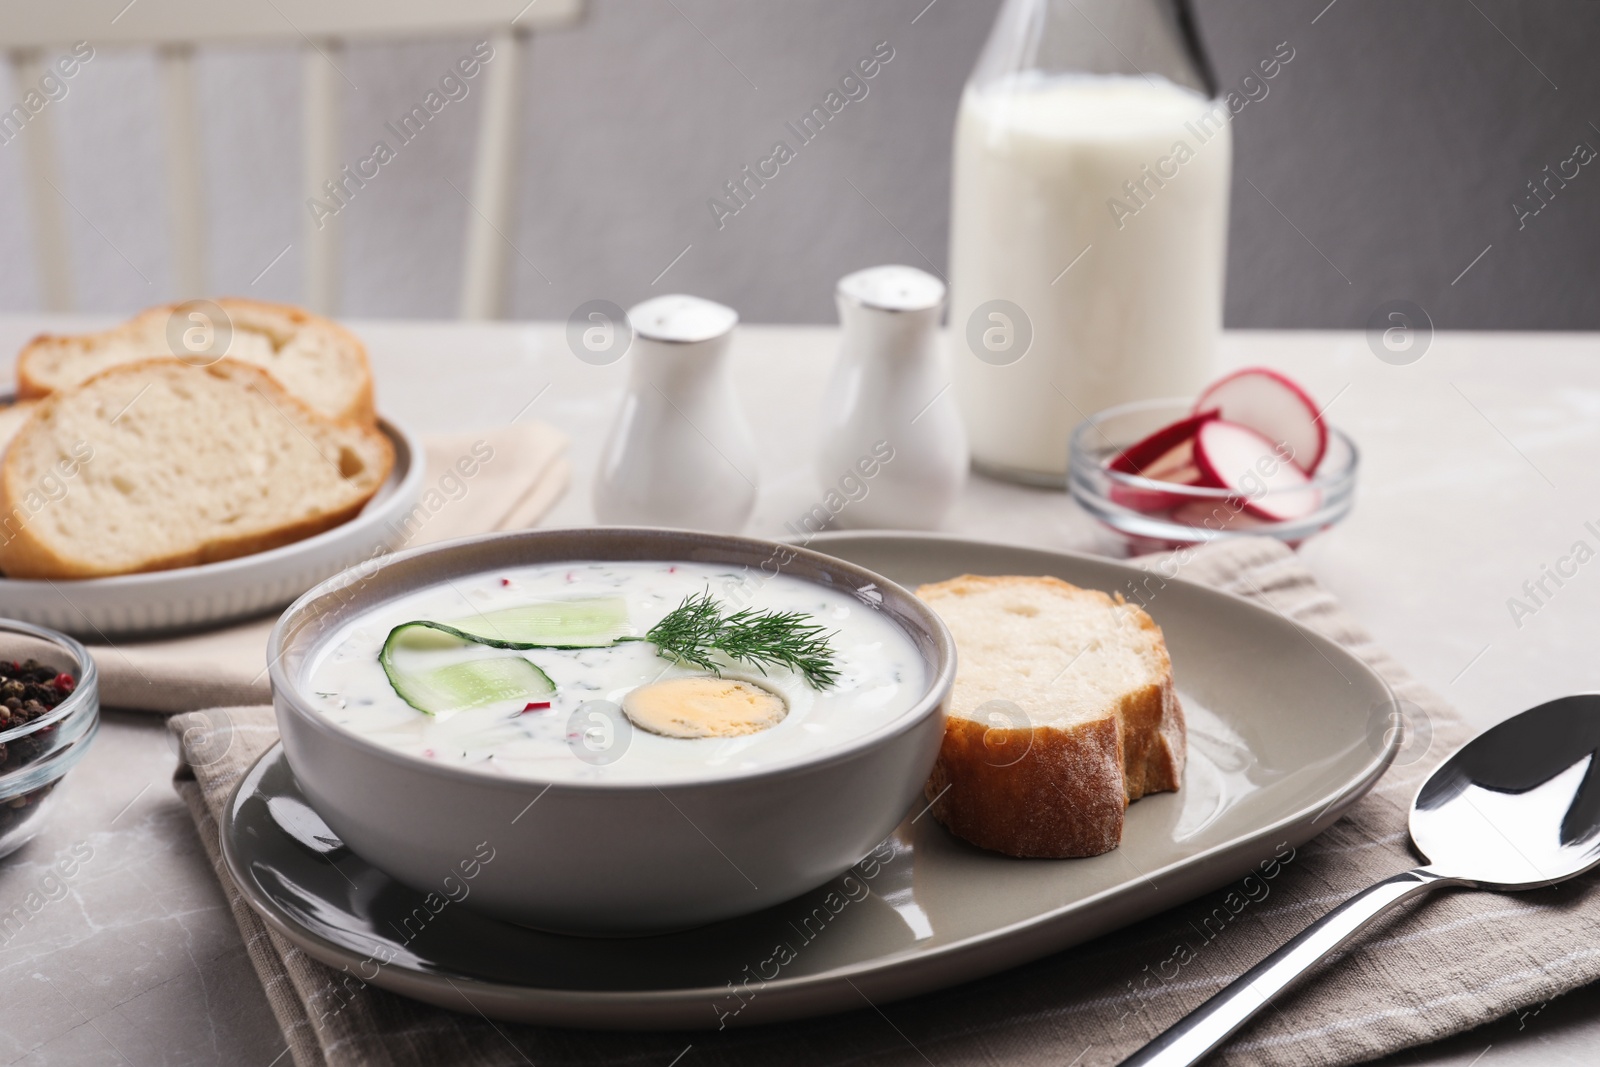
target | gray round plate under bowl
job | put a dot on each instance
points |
(213, 594)
(1280, 743)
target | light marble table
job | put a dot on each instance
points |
(1479, 469)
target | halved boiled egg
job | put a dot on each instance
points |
(704, 707)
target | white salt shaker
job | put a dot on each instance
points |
(894, 450)
(680, 452)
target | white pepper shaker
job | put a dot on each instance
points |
(680, 452)
(894, 450)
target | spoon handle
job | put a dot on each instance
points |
(1209, 1025)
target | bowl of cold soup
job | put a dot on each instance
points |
(611, 731)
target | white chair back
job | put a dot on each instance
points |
(174, 28)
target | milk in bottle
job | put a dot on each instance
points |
(1089, 226)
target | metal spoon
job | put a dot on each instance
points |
(1518, 807)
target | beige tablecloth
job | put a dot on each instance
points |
(1446, 964)
(504, 478)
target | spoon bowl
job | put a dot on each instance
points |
(1517, 807)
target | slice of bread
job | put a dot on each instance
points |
(12, 416)
(158, 464)
(314, 358)
(1063, 711)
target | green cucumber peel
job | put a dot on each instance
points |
(457, 686)
(556, 624)
(591, 623)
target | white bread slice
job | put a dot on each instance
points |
(12, 416)
(167, 465)
(1092, 720)
(314, 358)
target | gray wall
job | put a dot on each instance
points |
(1393, 147)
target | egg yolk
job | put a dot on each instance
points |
(704, 707)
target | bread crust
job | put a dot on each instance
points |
(361, 408)
(12, 418)
(23, 555)
(1057, 801)
(1066, 795)
(28, 386)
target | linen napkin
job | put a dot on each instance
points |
(1446, 964)
(503, 478)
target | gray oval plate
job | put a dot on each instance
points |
(1279, 747)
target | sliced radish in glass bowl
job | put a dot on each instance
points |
(1167, 455)
(1168, 473)
(1261, 473)
(1274, 406)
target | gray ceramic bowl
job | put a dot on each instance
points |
(603, 858)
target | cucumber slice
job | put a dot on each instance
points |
(457, 686)
(590, 623)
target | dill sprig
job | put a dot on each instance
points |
(698, 627)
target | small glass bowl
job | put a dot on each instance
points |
(1159, 514)
(36, 755)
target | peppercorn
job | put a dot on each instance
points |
(28, 690)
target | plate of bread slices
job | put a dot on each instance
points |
(147, 487)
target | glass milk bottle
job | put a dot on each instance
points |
(1089, 224)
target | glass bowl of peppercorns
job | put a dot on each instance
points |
(49, 713)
